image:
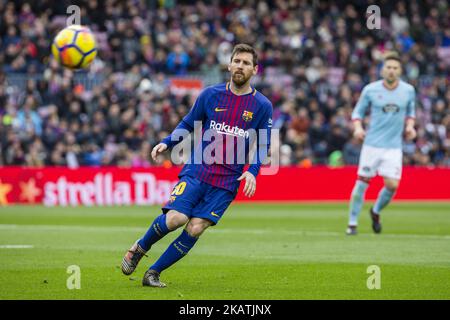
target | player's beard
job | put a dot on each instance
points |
(239, 78)
(391, 79)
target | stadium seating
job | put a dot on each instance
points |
(314, 61)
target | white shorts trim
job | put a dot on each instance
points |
(381, 161)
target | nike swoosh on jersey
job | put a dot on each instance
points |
(220, 109)
(215, 215)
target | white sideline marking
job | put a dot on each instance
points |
(330, 233)
(16, 246)
(217, 230)
(49, 227)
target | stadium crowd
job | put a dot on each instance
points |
(314, 57)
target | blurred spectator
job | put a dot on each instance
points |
(335, 159)
(177, 61)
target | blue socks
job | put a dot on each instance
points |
(384, 197)
(357, 201)
(157, 230)
(176, 250)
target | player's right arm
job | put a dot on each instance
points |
(359, 113)
(358, 131)
(186, 126)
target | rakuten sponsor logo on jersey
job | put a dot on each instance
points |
(236, 147)
(224, 128)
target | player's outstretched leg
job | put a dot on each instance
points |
(159, 228)
(356, 203)
(132, 258)
(176, 250)
(376, 224)
(156, 232)
(384, 197)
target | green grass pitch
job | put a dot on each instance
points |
(257, 251)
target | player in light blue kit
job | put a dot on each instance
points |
(392, 104)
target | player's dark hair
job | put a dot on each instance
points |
(242, 47)
(392, 56)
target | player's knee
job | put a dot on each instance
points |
(195, 229)
(175, 219)
(391, 184)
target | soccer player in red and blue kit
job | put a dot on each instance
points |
(206, 189)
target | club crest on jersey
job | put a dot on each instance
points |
(391, 107)
(247, 116)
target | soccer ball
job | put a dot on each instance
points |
(75, 47)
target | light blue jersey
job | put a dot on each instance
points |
(388, 110)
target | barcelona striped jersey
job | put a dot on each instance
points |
(234, 123)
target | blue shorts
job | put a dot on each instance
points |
(195, 198)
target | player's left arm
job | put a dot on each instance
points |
(262, 152)
(410, 131)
